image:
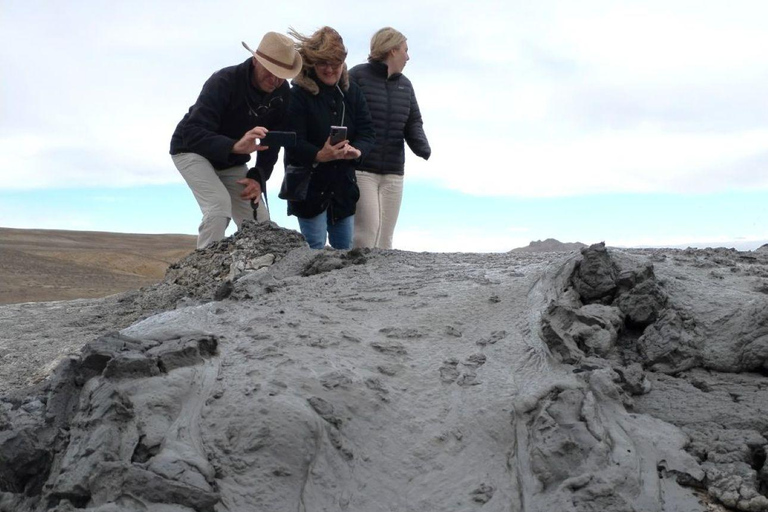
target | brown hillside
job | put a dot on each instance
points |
(44, 265)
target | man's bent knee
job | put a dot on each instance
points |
(212, 229)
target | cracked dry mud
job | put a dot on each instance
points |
(612, 380)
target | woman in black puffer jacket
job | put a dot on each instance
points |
(322, 97)
(396, 119)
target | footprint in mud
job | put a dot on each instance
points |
(350, 337)
(388, 370)
(475, 360)
(323, 342)
(492, 339)
(275, 387)
(335, 380)
(401, 333)
(326, 410)
(467, 376)
(449, 371)
(453, 331)
(389, 348)
(375, 384)
(483, 493)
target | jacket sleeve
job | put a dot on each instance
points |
(304, 152)
(414, 131)
(200, 132)
(365, 135)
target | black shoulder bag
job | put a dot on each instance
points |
(295, 183)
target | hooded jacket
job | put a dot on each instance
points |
(314, 108)
(228, 106)
(396, 118)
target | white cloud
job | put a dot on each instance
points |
(460, 239)
(641, 160)
(520, 99)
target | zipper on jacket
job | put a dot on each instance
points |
(384, 161)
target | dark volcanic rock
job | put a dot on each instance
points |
(671, 344)
(573, 332)
(581, 442)
(594, 278)
(640, 296)
(725, 416)
(207, 274)
(676, 334)
(91, 452)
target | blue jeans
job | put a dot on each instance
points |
(339, 234)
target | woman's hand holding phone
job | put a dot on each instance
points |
(331, 151)
(351, 152)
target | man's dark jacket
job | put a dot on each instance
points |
(314, 108)
(228, 106)
(396, 117)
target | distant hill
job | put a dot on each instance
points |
(550, 245)
(44, 264)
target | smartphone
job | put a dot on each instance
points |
(338, 134)
(275, 138)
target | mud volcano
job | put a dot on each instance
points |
(264, 376)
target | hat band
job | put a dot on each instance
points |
(273, 61)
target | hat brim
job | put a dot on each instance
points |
(280, 71)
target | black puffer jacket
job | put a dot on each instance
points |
(314, 108)
(396, 117)
(228, 106)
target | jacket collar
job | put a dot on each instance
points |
(380, 68)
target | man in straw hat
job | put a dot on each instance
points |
(214, 140)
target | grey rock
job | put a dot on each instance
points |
(735, 485)
(594, 277)
(643, 303)
(672, 344)
(633, 379)
(669, 327)
(204, 274)
(574, 333)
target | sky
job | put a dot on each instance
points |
(634, 123)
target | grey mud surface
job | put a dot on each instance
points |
(262, 375)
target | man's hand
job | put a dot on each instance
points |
(247, 144)
(251, 191)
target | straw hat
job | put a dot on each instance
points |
(277, 53)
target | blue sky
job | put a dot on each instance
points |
(634, 123)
